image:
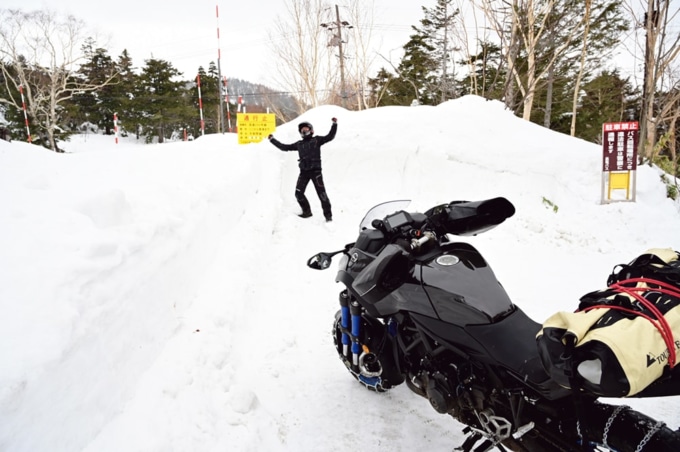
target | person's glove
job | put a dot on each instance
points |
(270, 137)
(335, 120)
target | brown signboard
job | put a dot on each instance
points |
(619, 146)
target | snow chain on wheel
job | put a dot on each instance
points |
(626, 430)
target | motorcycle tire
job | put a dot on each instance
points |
(627, 430)
(610, 428)
(374, 337)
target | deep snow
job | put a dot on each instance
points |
(156, 298)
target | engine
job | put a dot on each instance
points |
(390, 351)
(432, 373)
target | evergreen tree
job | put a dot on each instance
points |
(436, 28)
(96, 107)
(382, 91)
(162, 98)
(184, 117)
(607, 98)
(558, 49)
(415, 80)
(486, 76)
(13, 115)
(210, 92)
(126, 90)
(417, 72)
(422, 75)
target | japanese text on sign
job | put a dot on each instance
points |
(254, 127)
(619, 146)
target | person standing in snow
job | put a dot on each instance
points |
(309, 153)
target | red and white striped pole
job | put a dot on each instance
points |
(115, 126)
(219, 68)
(200, 103)
(238, 109)
(23, 106)
(226, 102)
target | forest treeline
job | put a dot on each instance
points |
(549, 61)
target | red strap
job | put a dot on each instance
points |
(644, 316)
(663, 326)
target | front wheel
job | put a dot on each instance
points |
(378, 371)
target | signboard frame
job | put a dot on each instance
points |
(619, 159)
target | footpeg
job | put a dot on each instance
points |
(498, 427)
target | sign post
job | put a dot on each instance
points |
(619, 160)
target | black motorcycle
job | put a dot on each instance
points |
(424, 309)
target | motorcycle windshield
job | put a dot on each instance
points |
(381, 210)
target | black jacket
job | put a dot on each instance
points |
(309, 149)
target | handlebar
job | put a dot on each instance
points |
(417, 243)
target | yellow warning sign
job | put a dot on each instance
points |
(254, 127)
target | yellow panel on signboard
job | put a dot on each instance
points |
(254, 127)
(619, 181)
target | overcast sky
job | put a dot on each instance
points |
(186, 36)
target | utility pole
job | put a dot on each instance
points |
(337, 41)
(445, 55)
(343, 91)
(647, 134)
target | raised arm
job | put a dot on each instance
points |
(331, 134)
(283, 147)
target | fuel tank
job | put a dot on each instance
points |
(453, 283)
(462, 288)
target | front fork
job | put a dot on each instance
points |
(363, 362)
(350, 321)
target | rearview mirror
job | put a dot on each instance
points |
(320, 261)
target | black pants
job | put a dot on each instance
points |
(317, 179)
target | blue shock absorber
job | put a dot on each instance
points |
(392, 327)
(344, 322)
(355, 311)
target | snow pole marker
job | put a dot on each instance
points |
(240, 104)
(219, 68)
(226, 101)
(238, 109)
(115, 126)
(200, 103)
(23, 106)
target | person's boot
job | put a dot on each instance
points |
(329, 218)
(305, 214)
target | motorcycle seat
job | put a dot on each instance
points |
(511, 342)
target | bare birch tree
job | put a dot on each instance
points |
(40, 52)
(661, 50)
(302, 54)
(528, 25)
(463, 39)
(582, 65)
(307, 43)
(673, 118)
(361, 18)
(505, 24)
